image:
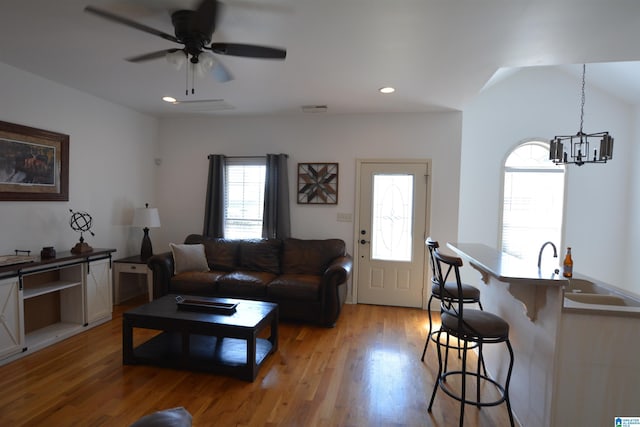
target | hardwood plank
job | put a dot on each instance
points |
(364, 372)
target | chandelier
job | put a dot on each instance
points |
(578, 144)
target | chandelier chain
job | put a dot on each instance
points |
(584, 70)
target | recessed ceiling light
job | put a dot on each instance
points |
(170, 99)
(387, 89)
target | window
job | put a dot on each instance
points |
(533, 200)
(392, 217)
(244, 197)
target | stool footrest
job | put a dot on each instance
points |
(459, 346)
(444, 387)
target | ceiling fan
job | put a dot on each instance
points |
(194, 30)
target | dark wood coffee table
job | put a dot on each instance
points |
(220, 343)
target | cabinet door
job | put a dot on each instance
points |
(11, 318)
(98, 285)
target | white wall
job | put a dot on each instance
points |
(111, 167)
(633, 249)
(541, 102)
(186, 142)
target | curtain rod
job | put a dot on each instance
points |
(241, 157)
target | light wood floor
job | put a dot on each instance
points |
(364, 372)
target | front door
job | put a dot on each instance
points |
(392, 225)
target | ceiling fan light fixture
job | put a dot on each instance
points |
(387, 89)
(205, 63)
(207, 60)
(177, 58)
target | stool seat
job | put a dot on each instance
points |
(476, 323)
(451, 291)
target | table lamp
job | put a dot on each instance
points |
(146, 218)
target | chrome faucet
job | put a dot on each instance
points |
(555, 252)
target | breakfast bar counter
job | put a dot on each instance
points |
(572, 366)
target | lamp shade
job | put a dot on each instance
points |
(146, 218)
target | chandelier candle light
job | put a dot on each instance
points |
(580, 143)
(146, 218)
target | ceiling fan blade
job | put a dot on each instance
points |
(248, 50)
(220, 72)
(203, 21)
(125, 21)
(152, 55)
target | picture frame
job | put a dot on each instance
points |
(34, 164)
(318, 183)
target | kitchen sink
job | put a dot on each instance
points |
(587, 292)
(599, 299)
(585, 286)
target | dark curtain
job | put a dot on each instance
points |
(276, 221)
(214, 205)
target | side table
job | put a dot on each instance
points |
(131, 265)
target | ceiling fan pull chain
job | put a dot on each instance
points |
(186, 83)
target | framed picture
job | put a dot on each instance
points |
(318, 183)
(34, 164)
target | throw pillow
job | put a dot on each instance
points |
(175, 417)
(188, 258)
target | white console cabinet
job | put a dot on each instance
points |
(11, 331)
(98, 297)
(46, 301)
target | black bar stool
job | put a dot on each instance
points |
(449, 293)
(470, 326)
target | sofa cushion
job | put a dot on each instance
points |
(189, 258)
(222, 254)
(304, 287)
(195, 282)
(245, 283)
(260, 255)
(310, 256)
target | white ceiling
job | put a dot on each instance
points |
(437, 53)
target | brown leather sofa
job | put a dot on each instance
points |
(307, 278)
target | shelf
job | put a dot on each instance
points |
(49, 334)
(206, 353)
(45, 288)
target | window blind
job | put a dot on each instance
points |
(533, 201)
(244, 197)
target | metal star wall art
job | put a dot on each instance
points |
(318, 183)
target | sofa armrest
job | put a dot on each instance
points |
(334, 283)
(161, 266)
(339, 270)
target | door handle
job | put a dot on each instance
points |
(364, 242)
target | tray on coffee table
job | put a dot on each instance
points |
(206, 306)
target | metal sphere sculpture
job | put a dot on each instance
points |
(82, 222)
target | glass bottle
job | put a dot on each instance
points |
(567, 264)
